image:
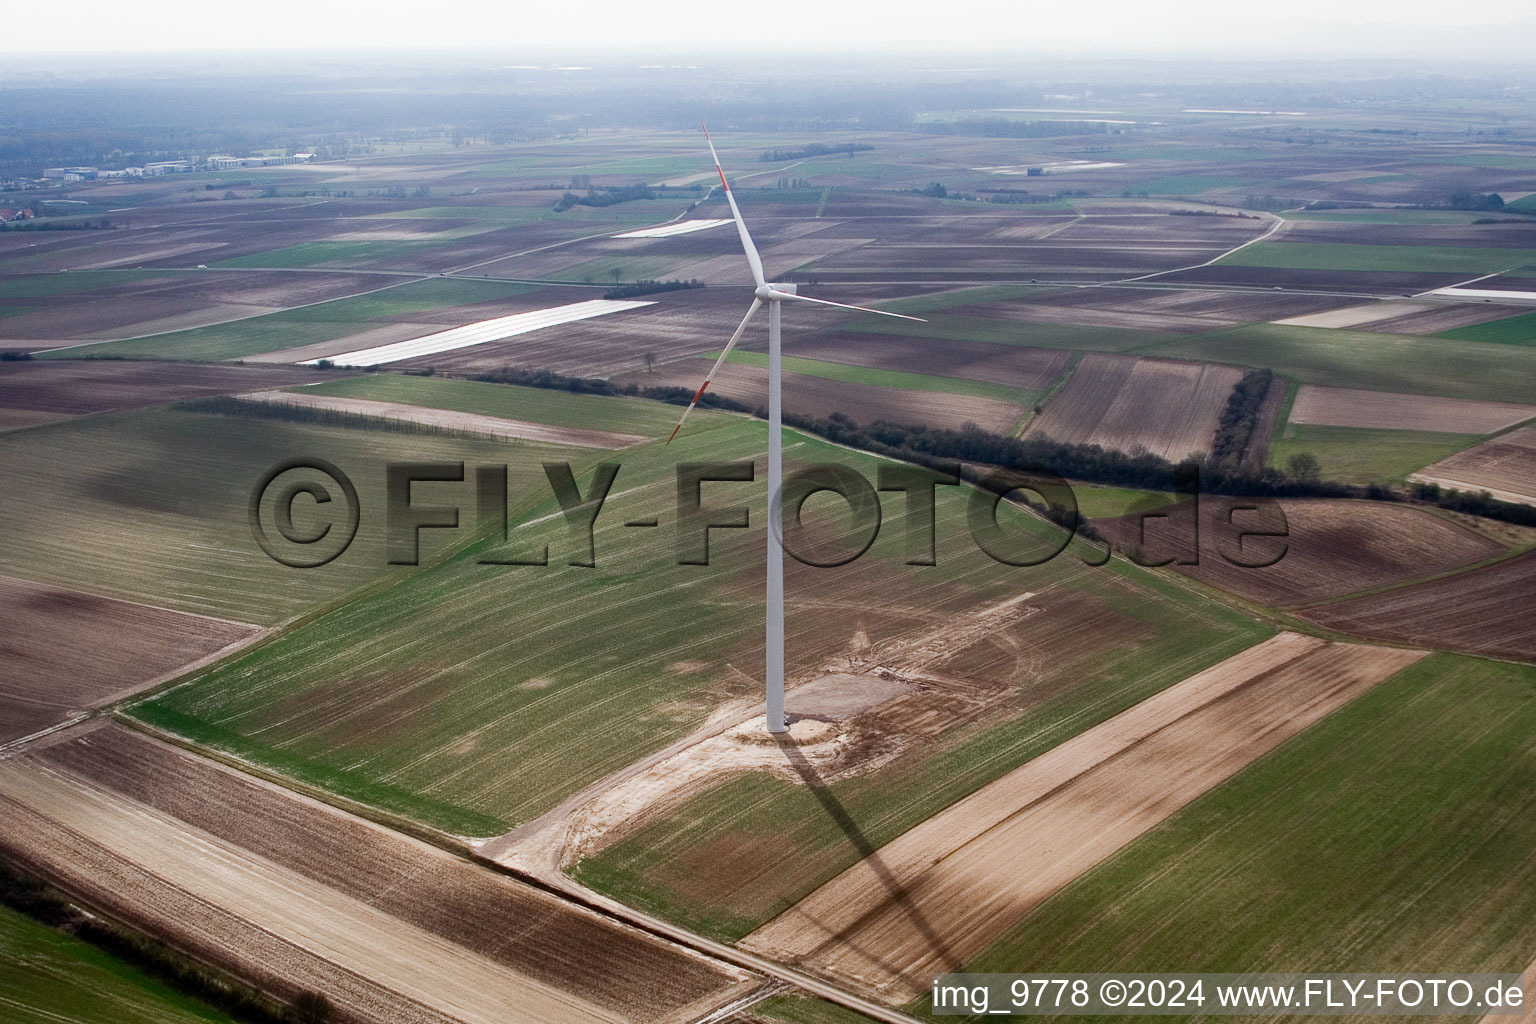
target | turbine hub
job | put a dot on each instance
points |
(766, 291)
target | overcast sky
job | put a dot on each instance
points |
(1298, 28)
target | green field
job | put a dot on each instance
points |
(47, 977)
(1343, 358)
(1187, 184)
(805, 1010)
(1395, 835)
(1512, 330)
(1354, 455)
(1150, 635)
(853, 374)
(36, 286)
(152, 506)
(475, 696)
(673, 866)
(533, 405)
(1095, 502)
(1447, 259)
(306, 325)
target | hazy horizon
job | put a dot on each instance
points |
(1202, 29)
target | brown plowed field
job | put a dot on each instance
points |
(1029, 369)
(1487, 611)
(1211, 304)
(1504, 465)
(64, 651)
(1380, 282)
(1384, 410)
(1122, 402)
(678, 324)
(128, 892)
(938, 895)
(445, 933)
(1441, 318)
(819, 396)
(1333, 548)
(78, 386)
(129, 304)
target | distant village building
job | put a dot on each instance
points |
(70, 173)
(229, 163)
(7, 215)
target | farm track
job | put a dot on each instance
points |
(935, 897)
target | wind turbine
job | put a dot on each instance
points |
(774, 295)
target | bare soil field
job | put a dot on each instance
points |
(121, 305)
(65, 651)
(1048, 258)
(1331, 548)
(1028, 369)
(1505, 466)
(943, 891)
(11, 419)
(1123, 402)
(1442, 317)
(1353, 316)
(678, 324)
(820, 397)
(1486, 611)
(492, 426)
(1520, 285)
(79, 387)
(1348, 407)
(1216, 305)
(421, 924)
(1094, 315)
(1377, 282)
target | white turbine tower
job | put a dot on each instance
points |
(773, 295)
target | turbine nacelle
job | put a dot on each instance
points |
(770, 292)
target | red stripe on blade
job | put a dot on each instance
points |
(699, 393)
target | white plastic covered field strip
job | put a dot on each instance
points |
(1486, 293)
(682, 227)
(479, 333)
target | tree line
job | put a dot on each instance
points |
(1090, 463)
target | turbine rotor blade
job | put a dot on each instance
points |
(753, 260)
(844, 305)
(724, 354)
